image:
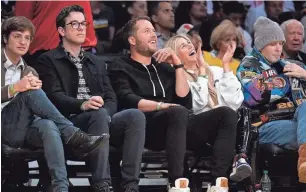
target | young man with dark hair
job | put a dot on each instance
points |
(28, 118)
(43, 14)
(78, 85)
(162, 16)
(145, 80)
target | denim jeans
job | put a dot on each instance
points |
(31, 120)
(127, 130)
(286, 133)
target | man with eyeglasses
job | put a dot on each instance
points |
(28, 118)
(43, 14)
(78, 85)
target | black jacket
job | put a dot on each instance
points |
(60, 81)
(132, 82)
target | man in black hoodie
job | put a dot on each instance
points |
(78, 85)
(145, 80)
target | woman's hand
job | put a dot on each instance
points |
(201, 64)
(167, 55)
(227, 57)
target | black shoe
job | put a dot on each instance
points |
(101, 188)
(82, 144)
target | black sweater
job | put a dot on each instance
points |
(133, 81)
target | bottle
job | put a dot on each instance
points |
(265, 182)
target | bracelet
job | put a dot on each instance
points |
(159, 106)
(178, 66)
(11, 90)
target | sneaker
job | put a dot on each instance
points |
(241, 170)
(181, 185)
(221, 185)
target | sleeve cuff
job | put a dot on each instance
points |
(228, 74)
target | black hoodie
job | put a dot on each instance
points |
(133, 81)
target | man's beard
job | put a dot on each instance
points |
(143, 49)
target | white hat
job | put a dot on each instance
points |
(184, 29)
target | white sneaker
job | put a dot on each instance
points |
(221, 185)
(241, 170)
(181, 185)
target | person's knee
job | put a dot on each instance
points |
(100, 115)
(47, 128)
(227, 113)
(228, 116)
(136, 118)
(179, 113)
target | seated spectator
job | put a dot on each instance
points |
(145, 80)
(193, 12)
(216, 94)
(77, 83)
(276, 87)
(29, 119)
(43, 14)
(222, 36)
(162, 16)
(274, 9)
(235, 12)
(137, 8)
(294, 35)
(258, 8)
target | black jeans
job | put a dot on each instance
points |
(218, 128)
(166, 129)
(127, 130)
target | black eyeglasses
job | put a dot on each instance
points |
(76, 25)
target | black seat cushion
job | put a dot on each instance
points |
(275, 150)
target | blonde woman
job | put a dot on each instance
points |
(216, 94)
(223, 35)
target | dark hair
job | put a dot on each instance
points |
(153, 7)
(17, 23)
(129, 28)
(233, 7)
(64, 13)
(182, 13)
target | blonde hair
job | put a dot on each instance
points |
(224, 29)
(172, 44)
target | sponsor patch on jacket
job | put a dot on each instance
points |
(248, 74)
(269, 73)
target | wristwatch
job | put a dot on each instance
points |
(178, 66)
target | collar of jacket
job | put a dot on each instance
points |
(256, 53)
(3, 60)
(60, 54)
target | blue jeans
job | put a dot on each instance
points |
(127, 131)
(286, 133)
(31, 120)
